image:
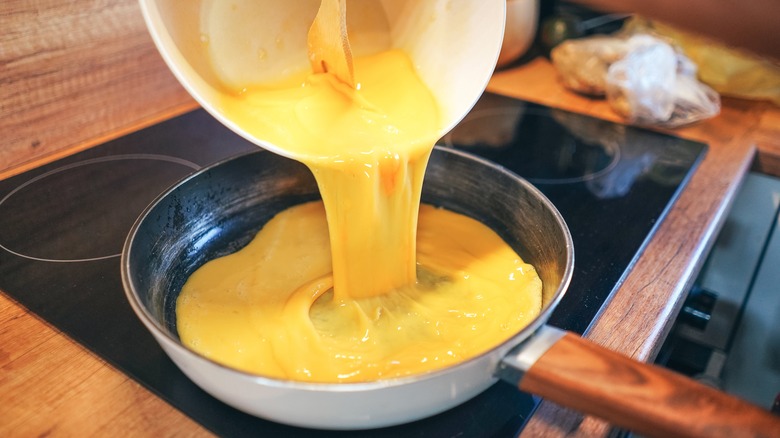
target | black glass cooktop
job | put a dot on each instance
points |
(62, 227)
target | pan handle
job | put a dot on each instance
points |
(653, 401)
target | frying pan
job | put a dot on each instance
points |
(217, 210)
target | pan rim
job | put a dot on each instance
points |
(160, 333)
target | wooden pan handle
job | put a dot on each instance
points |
(644, 398)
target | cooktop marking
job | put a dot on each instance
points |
(42, 176)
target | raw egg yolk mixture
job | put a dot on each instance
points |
(358, 287)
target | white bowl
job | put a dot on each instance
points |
(454, 44)
(522, 17)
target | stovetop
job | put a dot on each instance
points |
(62, 227)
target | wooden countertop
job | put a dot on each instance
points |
(51, 385)
(746, 134)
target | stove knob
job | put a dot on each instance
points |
(697, 309)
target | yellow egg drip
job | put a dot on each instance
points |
(357, 289)
(367, 147)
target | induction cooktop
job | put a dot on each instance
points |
(62, 227)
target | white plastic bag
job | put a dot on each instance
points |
(644, 79)
(642, 86)
(655, 85)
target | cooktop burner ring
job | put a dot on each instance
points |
(76, 298)
(4, 201)
(501, 135)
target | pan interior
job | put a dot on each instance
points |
(219, 210)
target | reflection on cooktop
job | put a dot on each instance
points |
(77, 196)
(612, 184)
(549, 147)
(540, 149)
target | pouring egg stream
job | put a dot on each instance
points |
(367, 284)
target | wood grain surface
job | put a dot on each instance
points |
(78, 72)
(639, 316)
(643, 398)
(74, 74)
(51, 386)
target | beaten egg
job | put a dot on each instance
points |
(367, 284)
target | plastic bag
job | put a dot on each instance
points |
(583, 63)
(644, 79)
(730, 71)
(654, 85)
